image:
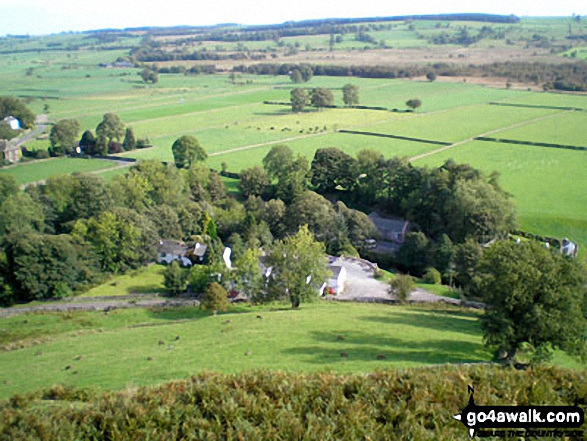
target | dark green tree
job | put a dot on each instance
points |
(90, 197)
(129, 142)
(20, 213)
(350, 95)
(215, 298)
(253, 181)
(414, 252)
(175, 279)
(413, 104)
(299, 99)
(88, 143)
(331, 169)
(314, 211)
(63, 137)
(8, 187)
(431, 76)
(111, 128)
(534, 296)
(187, 151)
(467, 257)
(321, 97)
(44, 266)
(149, 75)
(296, 76)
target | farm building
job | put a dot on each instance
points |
(392, 229)
(12, 122)
(568, 248)
(10, 152)
(170, 250)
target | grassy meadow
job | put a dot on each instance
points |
(122, 349)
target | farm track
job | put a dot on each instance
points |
(465, 141)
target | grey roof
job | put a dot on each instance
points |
(335, 270)
(176, 247)
(395, 225)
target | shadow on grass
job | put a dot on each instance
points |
(367, 347)
(174, 313)
(145, 289)
(437, 321)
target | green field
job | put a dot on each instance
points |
(146, 280)
(37, 171)
(111, 351)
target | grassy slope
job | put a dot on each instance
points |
(304, 340)
(142, 281)
(114, 350)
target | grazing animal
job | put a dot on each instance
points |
(340, 338)
(67, 368)
(149, 358)
(381, 357)
(248, 353)
(344, 354)
(259, 317)
(79, 357)
(227, 322)
(161, 342)
(177, 338)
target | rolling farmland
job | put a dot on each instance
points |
(236, 128)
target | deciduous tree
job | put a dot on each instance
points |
(111, 128)
(63, 137)
(299, 99)
(413, 104)
(187, 151)
(299, 267)
(350, 95)
(534, 296)
(321, 97)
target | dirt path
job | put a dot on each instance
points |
(513, 126)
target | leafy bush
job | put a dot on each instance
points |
(214, 298)
(401, 287)
(433, 276)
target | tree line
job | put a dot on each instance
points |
(561, 76)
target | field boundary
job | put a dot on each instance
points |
(404, 138)
(530, 106)
(530, 143)
(491, 132)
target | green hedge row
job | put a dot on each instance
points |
(410, 404)
(405, 138)
(537, 144)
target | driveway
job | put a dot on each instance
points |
(363, 287)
